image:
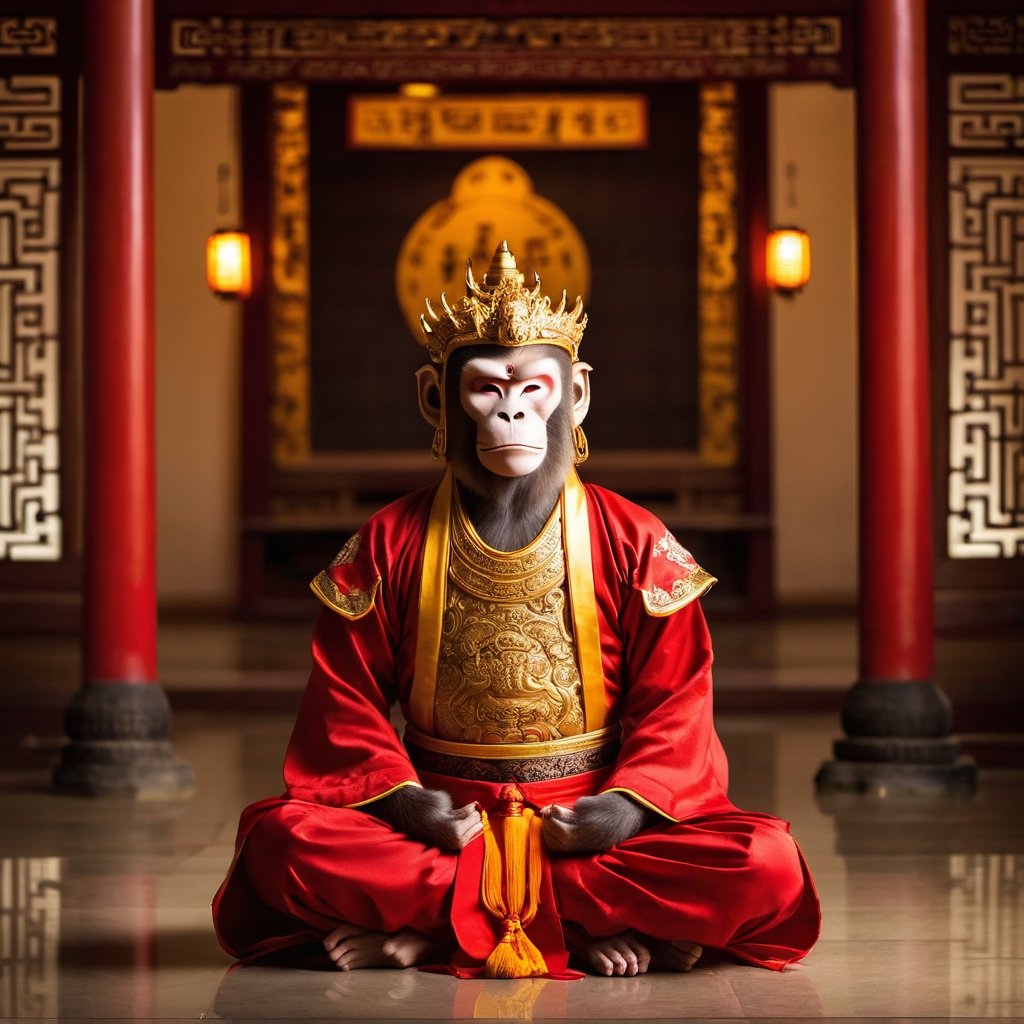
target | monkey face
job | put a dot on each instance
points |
(510, 398)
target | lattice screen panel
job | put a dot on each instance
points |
(986, 355)
(30, 198)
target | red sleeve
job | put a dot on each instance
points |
(344, 751)
(671, 758)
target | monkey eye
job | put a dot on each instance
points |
(491, 389)
(531, 387)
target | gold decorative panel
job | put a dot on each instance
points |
(499, 49)
(986, 318)
(31, 525)
(289, 277)
(498, 122)
(717, 277)
(490, 195)
(987, 35)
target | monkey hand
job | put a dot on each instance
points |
(428, 815)
(594, 824)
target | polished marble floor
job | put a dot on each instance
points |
(104, 905)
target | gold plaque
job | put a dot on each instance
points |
(491, 199)
(550, 121)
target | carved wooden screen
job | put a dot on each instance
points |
(39, 543)
(978, 189)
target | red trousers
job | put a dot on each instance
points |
(731, 880)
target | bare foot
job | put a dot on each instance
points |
(673, 955)
(622, 954)
(351, 948)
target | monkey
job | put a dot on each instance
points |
(510, 418)
(484, 585)
(509, 426)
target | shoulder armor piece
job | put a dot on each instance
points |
(672, 578)
(347, 587)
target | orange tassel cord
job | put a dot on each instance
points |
(510, 887)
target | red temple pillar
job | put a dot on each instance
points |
(119, 721)
(897, 721)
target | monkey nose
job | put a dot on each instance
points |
(508, 419)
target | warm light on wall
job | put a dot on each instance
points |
(419, 90)
(788, 260)
(228, 264)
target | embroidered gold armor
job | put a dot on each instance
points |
(507, 669)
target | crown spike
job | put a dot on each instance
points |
(444, 304)
(503, 268)
(427, 329)
(430, 310)
(561, 305)
(472, 288)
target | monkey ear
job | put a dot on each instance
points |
(580, 391)
(428, 390)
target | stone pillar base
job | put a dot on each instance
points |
(892, 778)
(897, 741)
(120, 745)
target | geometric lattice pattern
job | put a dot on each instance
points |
(22, 36)
(30, 510)
(986, 358)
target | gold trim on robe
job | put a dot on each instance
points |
(387, 792)
(585, 627)
(353, 605)
(431, 618)
(660, 602)
(549, 748)
(640, 800)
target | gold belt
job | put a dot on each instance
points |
(514, 762)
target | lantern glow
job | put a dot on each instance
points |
(788, 259)
(228, 264)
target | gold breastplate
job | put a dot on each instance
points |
(507, 668)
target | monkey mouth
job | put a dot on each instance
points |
(506, 447)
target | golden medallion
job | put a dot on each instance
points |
(491, 199)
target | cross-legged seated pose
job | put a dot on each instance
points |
(559, 791)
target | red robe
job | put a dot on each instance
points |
(706, 872)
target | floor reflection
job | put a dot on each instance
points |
(986, 910)
(29, 932)
(104, 905)
(722, 991)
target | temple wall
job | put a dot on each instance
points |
(814, 377)
(814, 339)
(198, 352)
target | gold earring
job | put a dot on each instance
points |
(437, 448)
(582, 447)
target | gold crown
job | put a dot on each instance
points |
(502, 311)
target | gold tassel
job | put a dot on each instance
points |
(515, 902)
